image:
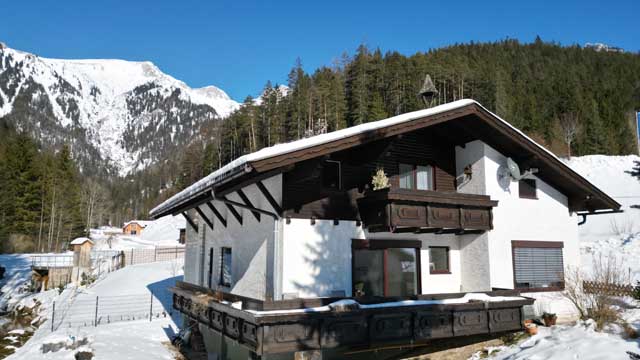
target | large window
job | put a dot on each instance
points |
(439, 260)
(538, 265)
(225, 266)
(415, 177)
(386, 268)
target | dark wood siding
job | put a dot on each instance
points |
(304, 196)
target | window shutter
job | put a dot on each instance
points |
(538, 267)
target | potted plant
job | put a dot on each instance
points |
(530, 327)
(549, 319)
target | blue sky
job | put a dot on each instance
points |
(239, 45)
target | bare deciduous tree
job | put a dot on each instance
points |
(569, 127)
(607, 271)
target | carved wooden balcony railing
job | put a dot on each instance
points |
(288, 331)
(402, 210)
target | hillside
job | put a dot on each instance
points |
(616, 234)
(118, 116)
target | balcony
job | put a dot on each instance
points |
(424, 211)
(271, 327)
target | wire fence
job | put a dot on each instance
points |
(91, 310)
(143, 256)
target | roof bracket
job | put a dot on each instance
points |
(204, 217)
(193, 225)
(215, 211)
(246, 200)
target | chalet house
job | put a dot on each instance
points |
(135, 227)
(442, 223)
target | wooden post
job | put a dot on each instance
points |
(95, 321)
(151, 307)
(155, 254)
(53, 315)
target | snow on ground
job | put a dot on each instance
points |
(17, 274)
(580, 341)
(163, 232)
(616, 234)
(119, 292)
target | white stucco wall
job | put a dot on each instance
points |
(251, 243)
(317, 258)
(544, 219)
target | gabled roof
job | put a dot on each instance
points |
(474, 120)
(80, 241)
(143, 223)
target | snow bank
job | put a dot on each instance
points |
(615, 234)
(16, 277)
(165, 230)
(571, 342)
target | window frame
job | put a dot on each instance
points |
(414, 175)
(339, 188)
(221, 281)
(441, 272)
(527, 196)
(383, 244)
(536, 244)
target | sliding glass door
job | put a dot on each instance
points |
(385, 272)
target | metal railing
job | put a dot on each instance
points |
(52, 260)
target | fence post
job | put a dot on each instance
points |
(95, 321)
(131, 256)
(151, 307)
(53, 315)
(155, 253)
(176, 252)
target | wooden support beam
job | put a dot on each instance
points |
(233, 211)
(274, 204)
(215, 211)
(246, 200)
(190, 221)
(204, 217)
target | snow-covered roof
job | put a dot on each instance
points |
(143, 223)
(243, 163)
(80, 241)
(238, 165)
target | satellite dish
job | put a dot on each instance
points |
(514, 169)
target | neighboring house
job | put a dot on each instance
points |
(135, 227)
(299, 225)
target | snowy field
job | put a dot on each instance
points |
(616, 234)
(164, 232)
(137, 339)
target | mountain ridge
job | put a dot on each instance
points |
(105, 107)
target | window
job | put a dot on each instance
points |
(133, 232)
(225, 266)
(527, 189)
(331, 177)
(386, 268)
(415, 177)
(439, 260)
(538, 265)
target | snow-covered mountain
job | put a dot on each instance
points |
(120, 114)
